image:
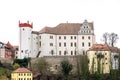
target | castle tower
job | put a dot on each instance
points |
(25, 30)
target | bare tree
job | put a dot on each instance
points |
(105, 37)
(113, 39)
(110, 38)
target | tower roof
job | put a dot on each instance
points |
(26, 24)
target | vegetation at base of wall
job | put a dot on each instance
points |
(41, 66)
(15, 66)
(66, 67)
(22, 62)
(4, 72)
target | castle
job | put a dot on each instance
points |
(65, 39)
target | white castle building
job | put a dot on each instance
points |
(65, 39)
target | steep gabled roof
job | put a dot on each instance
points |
(9, 45)
(64, 29)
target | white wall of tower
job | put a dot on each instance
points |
(25, 42)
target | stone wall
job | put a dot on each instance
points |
(54, 61)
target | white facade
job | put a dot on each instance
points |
(66, 39)
(34, 44)
(115, 60)
(62, 44)
(25, 40)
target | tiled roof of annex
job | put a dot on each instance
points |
(103, 47)
(22, 70)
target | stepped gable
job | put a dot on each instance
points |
(64, 29)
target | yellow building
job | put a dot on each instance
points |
(22, 74)
(99, 56)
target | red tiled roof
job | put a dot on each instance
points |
(100, 47)
(104, 47)
(9, 45)
(21, 70)
(64, 28)
(26, 24)
(114, 49)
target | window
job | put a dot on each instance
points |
(71, 44)
(88, 37)
(105, 53)
(59, 37)
(21, 51)
(51, 44)
(74, 37)
(52, 52)
(71, 37)
(16, 57)
(75, 44)
(16, 52)
(105, 58)
(82, 37)
(59, 44)
(64, 37)
(59, 52)
(89, 44)
(24, 74)
(88, 61)
(23, 29)
(65, 52)
(51, 37)
(40, 43)
(82, 44)
(40, 37)
(71, 52)
(95, 53)
(64, 44)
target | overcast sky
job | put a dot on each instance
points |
(104, 13)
